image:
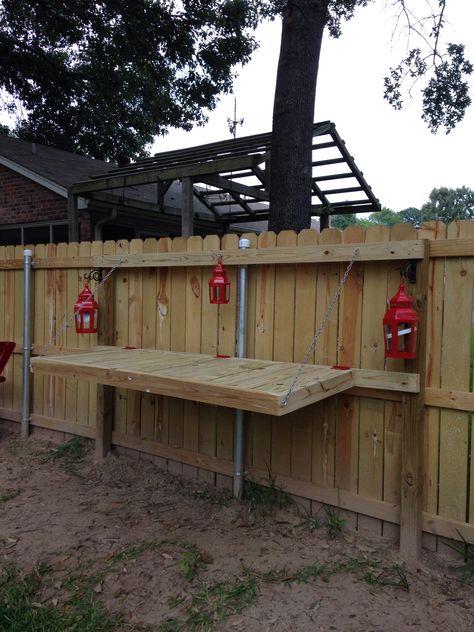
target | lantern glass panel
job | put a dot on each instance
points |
(388, 338)
(404, 336)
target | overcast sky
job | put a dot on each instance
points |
(400, 158)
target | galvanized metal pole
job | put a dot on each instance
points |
(25, 414)
(239, 458)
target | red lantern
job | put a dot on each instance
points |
(86, 311)
(400, 326)
(219, 286)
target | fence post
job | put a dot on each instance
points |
(412, 472)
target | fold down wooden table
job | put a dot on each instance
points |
(255, 385)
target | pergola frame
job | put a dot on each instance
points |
(231, 179)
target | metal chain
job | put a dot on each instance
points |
(325, 319)
(67, 321)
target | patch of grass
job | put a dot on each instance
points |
(189, 562)
(333, 522)
(70, 454)
(216, 602)
(465, 569)
(266, 497)
(393, 575)
(309, 523)
(217, 499)
(10, 495)
(21, 609)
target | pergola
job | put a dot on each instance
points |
(229, 181)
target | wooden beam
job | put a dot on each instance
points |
(412, 442)
(383, 251)
(455, 400)
(230, 185)
(153, 174)
(187, 211)
(387, 380)
(337, 253)
(452, 247)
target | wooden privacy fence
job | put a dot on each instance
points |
(346, 450)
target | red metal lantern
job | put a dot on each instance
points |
(86, 311)
(400, 326)
(219, 286)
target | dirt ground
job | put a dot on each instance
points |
(173, 554)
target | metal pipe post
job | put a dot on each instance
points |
(25, 410)
(239, 457)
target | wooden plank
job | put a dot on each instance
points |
(265, 395)
(194, 297)
(350, 327)
(135, 335)
(105, 396)
(283, 346)
(63, 313)
(269, 255)
(444, 398)
(386, 380)
(462, 247)
(121, 330)
(433, 231)
(207, 439)
(456, 336)
(264, 323)
(72, 339)
(412, 442)
(412, 249)
(149, 318)
(227, 323)
(49, 307)
(371, 425)
(305, 314)
(323, 459)
(177, 343)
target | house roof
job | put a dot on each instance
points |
(58, 170)
(51, 167)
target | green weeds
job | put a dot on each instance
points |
(217, 499)
(189, 562)
(266, 497)
(334, 523)
(10, 495)
(70, 454)
(21, 608)
(465, 569)
(214, 603)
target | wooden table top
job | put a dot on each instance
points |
(254, 385)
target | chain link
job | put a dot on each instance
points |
(325, 319)
(67, 321)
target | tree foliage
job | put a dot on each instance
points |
(444, 204)
(105, 77)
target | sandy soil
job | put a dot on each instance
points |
(161, 549)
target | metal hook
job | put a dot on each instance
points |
(95, 274)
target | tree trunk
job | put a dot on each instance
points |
(293, 112)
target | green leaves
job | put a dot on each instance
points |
(103, 78)
(446, 97)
